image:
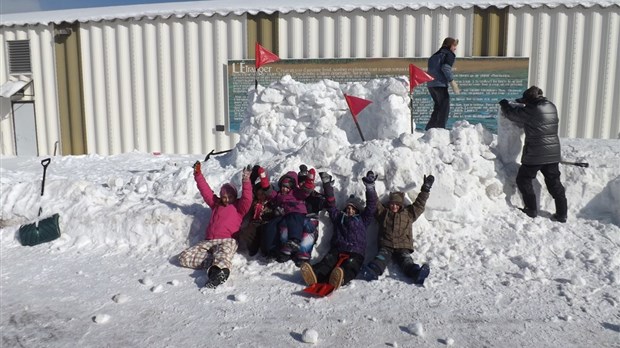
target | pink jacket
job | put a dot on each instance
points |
(225, 221)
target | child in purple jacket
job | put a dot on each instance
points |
(348, 245)
(217, 250)
(282, 236)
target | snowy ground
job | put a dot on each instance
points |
(498, 278)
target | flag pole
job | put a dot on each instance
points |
(411, 109)
(358, 127)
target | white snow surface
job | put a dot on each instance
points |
(498, 278)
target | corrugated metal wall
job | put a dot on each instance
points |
(373, 34)
(43, 85)
(158, 85)
(575, 58)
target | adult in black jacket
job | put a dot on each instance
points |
(541, 151)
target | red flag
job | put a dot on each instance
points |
(356, 105)
(417, 76)
(263, 56)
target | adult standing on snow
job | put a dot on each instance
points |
(396, 237)
(541, 150)
(216, 252)
(440, 67)
(348, 245)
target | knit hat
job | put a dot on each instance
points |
(397, 198)
(355, 202)
(532, 94)
(286, 182)
(228, 189)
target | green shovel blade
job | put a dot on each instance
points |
(47, 231)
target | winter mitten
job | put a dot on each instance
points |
(197, 169)
(303, 171)
(455, 87)
(311, 174)
(326, 178)
(369, 179)
(309, 183)
(264, 180)
(428, 183)
(247, 171)
(254, 174)
(504, 102)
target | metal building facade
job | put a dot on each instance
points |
(42, 90)
(158, 83)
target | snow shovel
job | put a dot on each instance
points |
(324, 289)
(42, 231)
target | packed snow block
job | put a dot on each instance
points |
(510, 139)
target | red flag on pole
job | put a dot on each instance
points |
(263, 56)
(417, 76)
(356, 105)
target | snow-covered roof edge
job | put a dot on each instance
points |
(240, 7)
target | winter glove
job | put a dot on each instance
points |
(254, 174)
(264, 180)
(428, 183)
(504, 103)
(246, 173)
(303, 171)
(326, 178)
(309, 183)
(197, 169)
(455, 87)
(369, 179)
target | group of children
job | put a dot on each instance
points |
(282, 223)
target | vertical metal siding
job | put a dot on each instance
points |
(367, 34)
(43, 85)
(574, 59)
(158, 85)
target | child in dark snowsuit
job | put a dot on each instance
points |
(261, 212)
(217, 250)
(395, 235)
(282, 236)
(348, 245)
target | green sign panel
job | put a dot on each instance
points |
(483, 82)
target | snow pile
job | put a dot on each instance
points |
(494, 271)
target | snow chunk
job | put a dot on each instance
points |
(240, 298)
(157, 289)
(101, 318)
(310, 336)
(174, 282)
(120, 298)
(416, 329)
(146, 281)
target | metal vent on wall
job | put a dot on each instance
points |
(19, 56)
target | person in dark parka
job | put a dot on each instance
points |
(348, 244)
(541, 150)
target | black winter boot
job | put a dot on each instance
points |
(530, 206)
(217, 276)
(561, 209)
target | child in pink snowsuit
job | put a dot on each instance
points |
(217, 250)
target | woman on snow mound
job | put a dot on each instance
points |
(348, 245)
(395, 235)
(215, 253)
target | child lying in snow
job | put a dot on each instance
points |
(395, 235)
(217, 250)
(348, 245)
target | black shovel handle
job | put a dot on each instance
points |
(578, 164)
(44, 163)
